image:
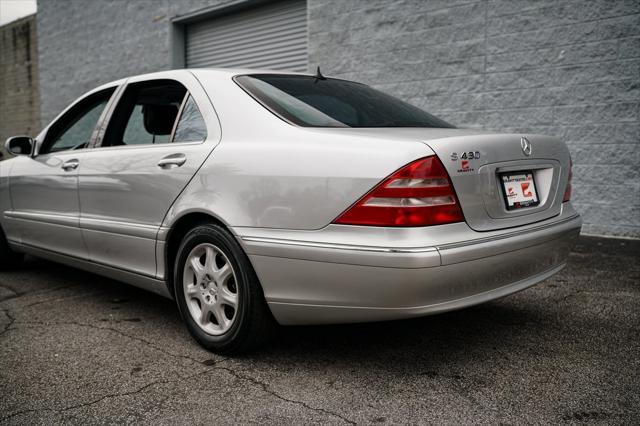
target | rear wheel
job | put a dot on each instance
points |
(9, 259)
(218, 293)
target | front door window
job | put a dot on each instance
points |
(74, 129)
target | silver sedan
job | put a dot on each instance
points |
(258, 198)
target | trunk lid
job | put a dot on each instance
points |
(476, 177)
(478, 164)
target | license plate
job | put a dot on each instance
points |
(519, 190)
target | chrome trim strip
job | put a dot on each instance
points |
(163, 233)
(131, 229)
(97, 222)
(337, 246)
(56, 219)
(505, 236)
(379, 249)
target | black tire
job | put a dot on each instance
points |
(9, 259)
(253, 323)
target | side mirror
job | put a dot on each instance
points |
(20, 145)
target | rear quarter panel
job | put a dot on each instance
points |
(293, 180)
(268, 173)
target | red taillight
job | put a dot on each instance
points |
(419, 194)
(567, 191)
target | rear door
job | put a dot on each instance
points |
(44, 188)
(157, 136)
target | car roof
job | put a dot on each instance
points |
(220, 72)
(240, 71)
(217, 72)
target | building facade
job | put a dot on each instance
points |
(19, 81)
(569, 68)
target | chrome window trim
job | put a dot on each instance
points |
(115, 101)
(146, 146)
(179, 116)
(103, 121)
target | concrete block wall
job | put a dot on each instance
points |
(83, 44)
(567, 68)
(19, 89)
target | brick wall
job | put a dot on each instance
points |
(19, 94)
(565, 68)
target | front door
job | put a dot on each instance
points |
(157, 137)
(44, 188)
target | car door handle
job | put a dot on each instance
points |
(70, 165)
(171, 161)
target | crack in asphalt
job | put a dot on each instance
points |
(109, 396)
(214, 366)
(11, 294)
(115, 330)
(59, 299)
(33, 293)
(11, 321)
(457, 384)
(265, 388)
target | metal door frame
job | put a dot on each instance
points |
(177, 39)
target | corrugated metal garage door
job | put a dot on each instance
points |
(269, 37)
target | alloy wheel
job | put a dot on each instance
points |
(210, 289)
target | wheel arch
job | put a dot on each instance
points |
(178, 229)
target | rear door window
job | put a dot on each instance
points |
(137, 132)
(155, 112)
(191, 126)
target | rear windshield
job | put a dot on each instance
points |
(326, 102)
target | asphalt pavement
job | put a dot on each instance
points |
(78, 348)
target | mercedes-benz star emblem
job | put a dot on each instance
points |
(526, 146)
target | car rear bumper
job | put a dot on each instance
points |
(310, 279)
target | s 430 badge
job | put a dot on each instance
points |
(470, 155)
